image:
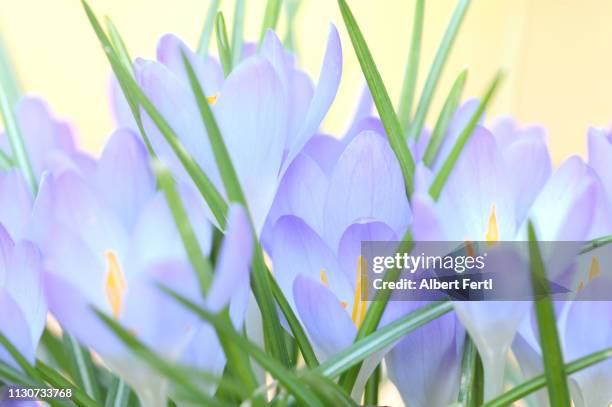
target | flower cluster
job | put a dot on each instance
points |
(106, 236)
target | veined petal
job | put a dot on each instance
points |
(233, 264)
(600, 155)
(207, 69)
(325, 150)
(301, 193)
(298, 250)
(327, 323)
(425, 364)
(16, 203)
(253, 140)
(367, 183)
(123, 177)
(324, 93)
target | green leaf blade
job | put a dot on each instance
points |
(207, 29)
(554, 368)
(381, 97)
(238, 32)
(412, 66)
(471, 390)
(436, 69)
(442, 176)
(223, 45)
(448, 110)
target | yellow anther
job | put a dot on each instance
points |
(114, 284)
(492, 233)
(323, 277)
(469, 248)
(344, 304)
(595, 269)
(212, 99)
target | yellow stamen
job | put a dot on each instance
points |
(323, 277)
(595, 270)
(212, 99)
(469, 248)
(357, 298)
(344, 304)
(492, 233)
(364, 301)
(114, 285)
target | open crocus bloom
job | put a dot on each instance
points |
(319, 224)
(488, 198)
(109, 240)
(264, 122)
(49, 141)
(23, 310)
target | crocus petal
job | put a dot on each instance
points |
(207, 70)
(155, 237)
(370, 123)
(460, 119)
(123, 178)
(253, 141)
(529, 164)
(425, 364)
(232, 269)
(298, 250)
(15, 327)
(367, 183)
(473, 192)
(24, 284)
(119, 106)
(600, 154)
(16, 203)
(175, 102)
(327, 323)
(363, 110)
(324, 93)
(349, 248)
(325, 150)
(301, 193)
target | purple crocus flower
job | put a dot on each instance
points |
(50, 142)
(108, 239)
(267, 110)
(319, 223)
(488, 198)
(23, 310)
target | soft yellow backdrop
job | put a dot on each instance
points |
(557, 53)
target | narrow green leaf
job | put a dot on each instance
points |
(270, 18)
(16, 141)
(284, 376)
(197, 259)
(380, 97)
(238, 32)
(118, 44)
(209, 22)
(472, 381)
(412, 67)
(179, 377)
(554, 368)
(328, 390)
(442, 176)
(436, 69)
(56, 380)
(9, 374)
(383, 337)
(296, 327)
(596, 244)
(291, 10)
(118, 394)
(82, 367)
(54, 348)
(534, 384)
(448, 110)
(223, 45)
(205, 186)
(375, 311)
(261, 282)
(19, 358)
(8, 75)
(370, 396)
(5, 161)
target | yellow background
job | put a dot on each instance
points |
(558, 54)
